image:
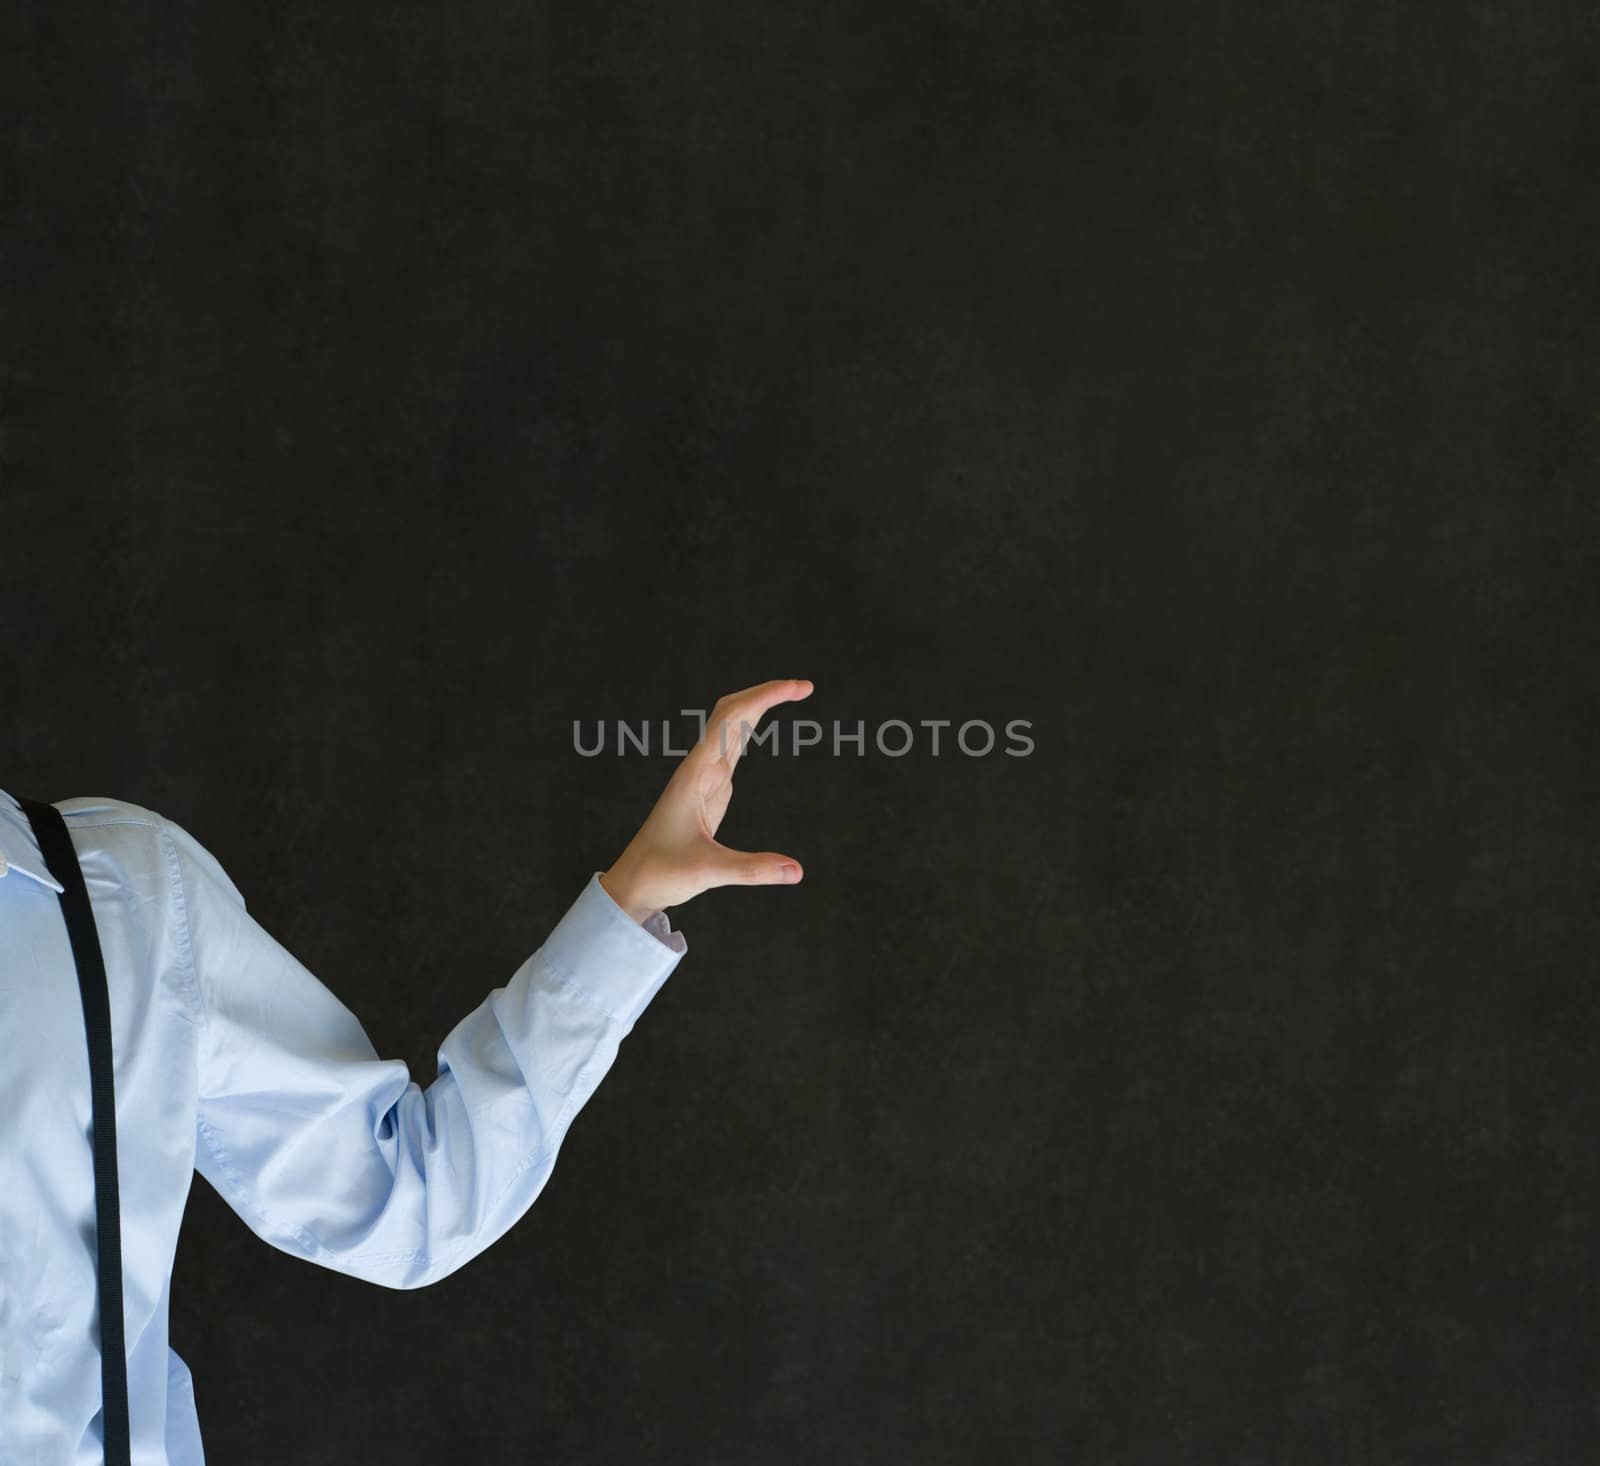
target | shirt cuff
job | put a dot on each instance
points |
(616, 960)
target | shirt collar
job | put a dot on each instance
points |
(18, 847)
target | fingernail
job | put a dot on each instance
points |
(789, 872)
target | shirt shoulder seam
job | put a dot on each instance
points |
(181, 902)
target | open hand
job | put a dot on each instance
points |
(676, 854)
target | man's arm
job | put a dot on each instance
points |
(338, 1156)
(335, 1155)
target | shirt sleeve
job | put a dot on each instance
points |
(337, 1156)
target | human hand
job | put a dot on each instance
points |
(676, 855)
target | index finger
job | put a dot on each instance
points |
(747, 707)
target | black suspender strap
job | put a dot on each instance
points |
(56, 845)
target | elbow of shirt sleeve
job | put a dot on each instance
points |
(616, 961)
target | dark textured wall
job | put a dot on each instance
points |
(384, 386)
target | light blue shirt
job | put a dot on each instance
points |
(234, 1061)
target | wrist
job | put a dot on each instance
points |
(621, 888)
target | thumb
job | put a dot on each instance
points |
(755, 868)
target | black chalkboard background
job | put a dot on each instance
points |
(384, 387)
